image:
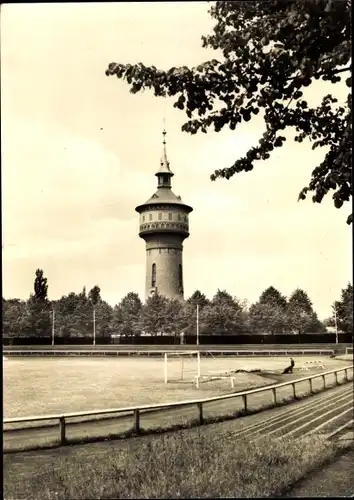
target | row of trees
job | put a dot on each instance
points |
(79, 314)
(342, 317)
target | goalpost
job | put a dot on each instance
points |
(184, 363)
(187, 366)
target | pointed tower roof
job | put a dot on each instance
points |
(164, 193)
(164, 163)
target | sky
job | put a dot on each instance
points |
(79, 153)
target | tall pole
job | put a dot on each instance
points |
(53, 328)
(197, 324)
(94, 326)
(335, 323)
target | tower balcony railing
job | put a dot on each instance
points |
(164, 226)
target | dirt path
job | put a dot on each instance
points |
(335, 480)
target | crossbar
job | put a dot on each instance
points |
(176, 353)
(133, 409)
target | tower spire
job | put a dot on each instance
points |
(164, 160)
(164, 173)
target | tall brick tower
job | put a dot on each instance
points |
(164, 226)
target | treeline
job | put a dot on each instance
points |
(78, 314)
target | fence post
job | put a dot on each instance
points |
(244, 397)
(136, 421)
(274, 396)
(165, 368)
(294, 391)
(324, 381)
(200, 412)
(311, 389)
(346, 374)
(336, 377)
(62, 430)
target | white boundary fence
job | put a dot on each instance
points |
(316, 363)
(137, 410)
(228, 352)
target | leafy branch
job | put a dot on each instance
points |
(272, 51)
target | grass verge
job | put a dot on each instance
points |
(182, 465)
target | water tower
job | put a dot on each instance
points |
(164, 226)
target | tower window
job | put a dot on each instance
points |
(150, 216)
(160, 216)
(153, 276)
(169, 216)
(179, 216)
(180, 276)
(143, 218)
(163, 180)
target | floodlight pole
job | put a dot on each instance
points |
(335, 323)
(198, 324)
(94, 326)
(53, 327)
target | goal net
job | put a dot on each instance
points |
(181, 366)
(218, 368)
(199, 367)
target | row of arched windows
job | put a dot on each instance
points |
(164, 225)
(180, 217)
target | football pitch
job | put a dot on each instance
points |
(39, 386)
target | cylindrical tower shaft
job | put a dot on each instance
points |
(164, 266)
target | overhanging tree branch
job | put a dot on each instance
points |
(263, 44)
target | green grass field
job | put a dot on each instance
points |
(37, 386)
(186, 464)
(200, 462)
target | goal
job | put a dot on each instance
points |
(181, 366)
(348, 350)
(200, 367)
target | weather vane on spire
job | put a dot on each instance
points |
(164, 130)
